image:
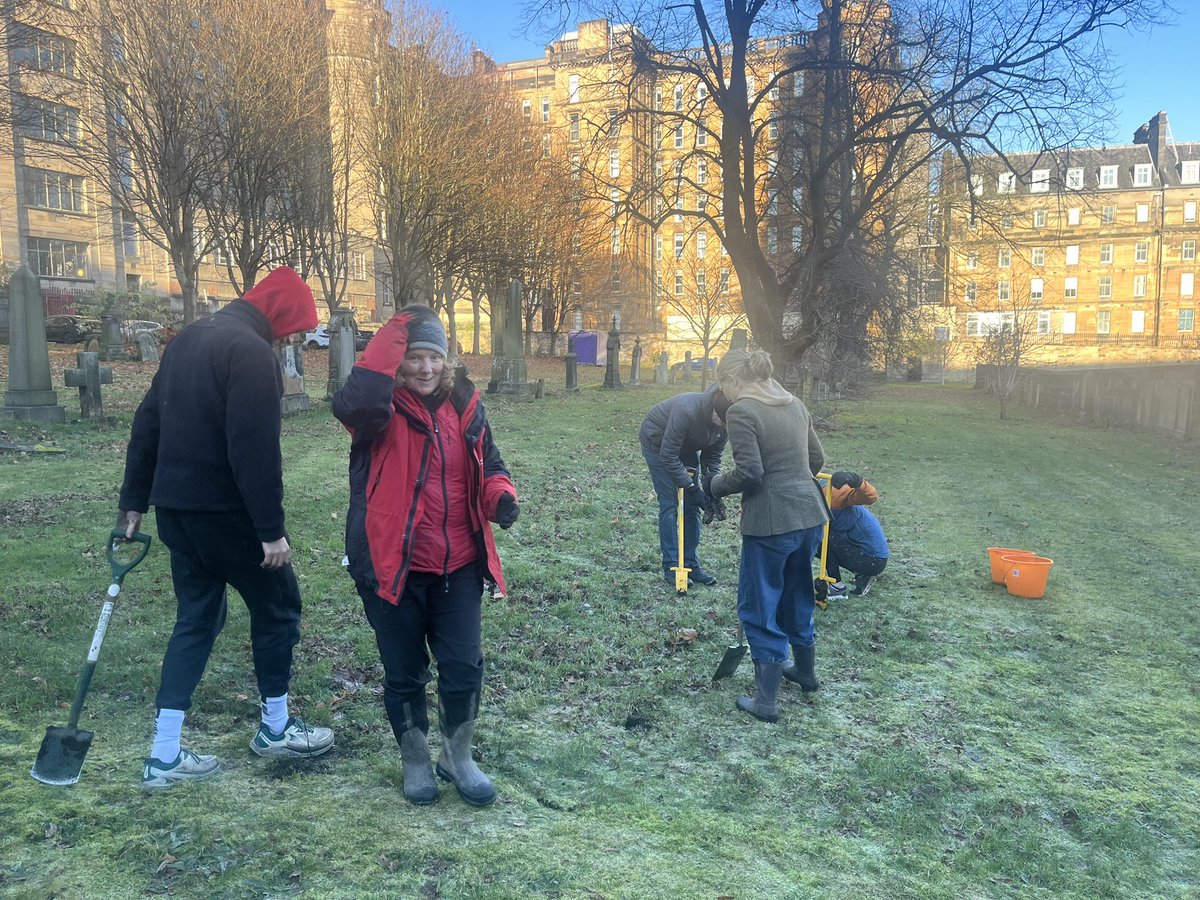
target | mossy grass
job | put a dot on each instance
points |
(965, 743)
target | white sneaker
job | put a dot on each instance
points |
(837, 592)
(297, 739)
(186, 767)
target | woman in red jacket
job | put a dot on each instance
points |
(425, 481)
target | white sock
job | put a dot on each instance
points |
(275, 713)
(167, 726)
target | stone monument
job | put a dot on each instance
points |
(112, 340)
(88, 377)
(291, 363)
(30, 393)
(341, 349)
(635, 365)
(510, 374)
(147, 345)
(612, 369)
(572, 359)
(662, 372)
(740, 339)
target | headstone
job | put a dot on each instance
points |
(612, 368)
(635, 366)
(510, 374)
(93, 346)
(112, 340)
(30, 393)
(572, 365)
(88, 377)
(341, 349)
(740, 339)
(662, 370)
(687, 366)
(147, 346)
(291, 362)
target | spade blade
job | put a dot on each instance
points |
(60, 759)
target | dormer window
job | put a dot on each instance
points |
(1006, 183)
(1141, 176)
(1075, 179)
(1108, 176)
(1039, 181)
(1190, 171)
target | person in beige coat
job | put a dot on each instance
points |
(776, 453)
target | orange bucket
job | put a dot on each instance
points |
(999, 567)
(1027, 575)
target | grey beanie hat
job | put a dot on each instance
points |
(425, 331)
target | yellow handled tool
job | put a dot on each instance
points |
(681, 573)
(823, 580)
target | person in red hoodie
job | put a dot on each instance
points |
(425, 482)
(204, 450)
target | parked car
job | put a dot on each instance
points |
(71, 329)
(134, 327)
(320, 338)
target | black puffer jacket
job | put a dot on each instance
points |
(679, 430)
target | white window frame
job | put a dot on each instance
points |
(1108, 215)
(1039, 218)
(1037, 256)
(1073, 215)
(1104, 289)
(679, 242)
(1074, 179)
(1137, 321)
(678, 283)
(1003, 290)
(1108, 177)
(1106, 254)
(701, 133)
(701, 243)
(1039, 182)
(1037, 290)
(1068, 323)
(1141, 252)
(970, 293)
(1103, 321)
(1142, 175)
(614, 163)
(1072, 255)
(572, 88)
(1143, 212)
(1189, 171)
(1071, 287)
(1004, 258)
(1139, 285)
(972, 260)
(545, 110)
(1188, 250)
(1186, 323)
(1187, 284)
(1189, 210)
(1006, 183)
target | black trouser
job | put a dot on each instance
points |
(442, 614)
(843, 553)
(210, 550)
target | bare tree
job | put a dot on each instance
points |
(699, 293)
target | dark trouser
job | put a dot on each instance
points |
(441, 614)
(776, 599)
(210, 550)
(668, 514)
(843, 553)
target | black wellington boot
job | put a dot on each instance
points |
(802, 671)
(420, 788)
(764, 704)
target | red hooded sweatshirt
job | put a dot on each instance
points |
(286, 301)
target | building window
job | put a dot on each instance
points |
(723, 282)
(679, 245)
(1068, 323)
(1071, 287)
(1040, 181)
(1005, 221)
(702, 283)
(50, 258)
(1003, 290)
(1103, 321)
(1139, 285)
(358, 266)
(1187, 320)
(1189, 211)
(1141, 251)
(1073, 215)
(1043, 322)
(616, 241)
(1105, 287)
(1036, 290)
(574, 128)
(1108, 176)
(614, 163)
(1006, 183)
(701, 134)
(679, 98)
(55, 190)
(1143, 212)
(46, 121)
(1189, 250)
(983, 324)
(1075, 179)
(976, 187)
(1072, 254)
(972, 260)
(1106, 254)
(701, 92)
(970, 294)
(1108, 215)
(222, 255)
(679, 137)
(576, 166)
(545, 146)
(678, 283)
(42, 50)
(130, 239)
(545, 110)
(701, 243)
(773, 130)
(1141, 175)
(1187, 282)
(614, 281)
(1037, 256)
(572, 88)
(527, 109)
(702, 202)
(1137, 321)
(1039, 218)
(797, 238)
(1004, 258)
(702, 171)
(658, 246)
(772, 240)
(1190, 171)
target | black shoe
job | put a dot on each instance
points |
(669, 577)
(862, 586)
(701, 577)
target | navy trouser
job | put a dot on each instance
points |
(668, 512)
(844, 553)
(775, 592)
(210, 550)
(442, 614)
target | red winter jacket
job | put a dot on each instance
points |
(398, 457)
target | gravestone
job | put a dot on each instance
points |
(112, 340)
(740, 339)
(147, 346)
(687, 366)
(635, 366)
(510, 373)
(612, 369)
(88, 376)
(30, 393)
(662, 370)
(572, 360)
(341, 349)
(291, 363)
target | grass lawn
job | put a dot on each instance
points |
(965, 743)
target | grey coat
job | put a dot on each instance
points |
(776, 453)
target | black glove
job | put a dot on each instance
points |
(841, 479)
(713, 509)
(706, 483)
(694, 495)
(507, 511)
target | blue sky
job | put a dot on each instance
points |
(1156, 73)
